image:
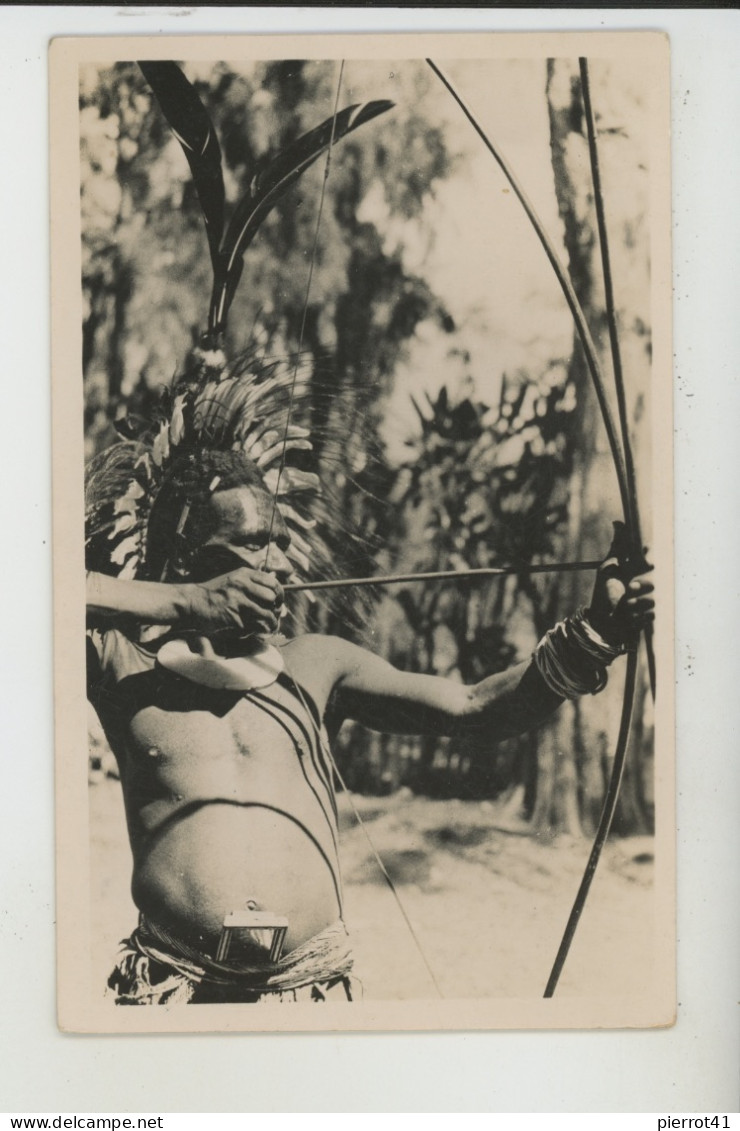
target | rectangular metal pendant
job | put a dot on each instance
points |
(265, 929)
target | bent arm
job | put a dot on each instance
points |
(373, 692)
(148, 602)
(244, 600)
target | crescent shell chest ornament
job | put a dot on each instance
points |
(195, 659)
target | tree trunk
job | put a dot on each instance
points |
(573, 748)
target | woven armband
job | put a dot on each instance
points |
(572, 658)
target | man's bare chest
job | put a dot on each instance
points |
(263, 752)
(244, 729)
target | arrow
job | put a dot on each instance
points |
(442, 575)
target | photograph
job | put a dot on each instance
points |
(362, 413)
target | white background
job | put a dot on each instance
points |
(691, 1067)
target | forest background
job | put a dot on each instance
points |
(455, 415)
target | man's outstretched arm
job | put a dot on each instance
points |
(569, 661)
(371, 691)
(246, 600)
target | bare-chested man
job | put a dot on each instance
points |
(226, 771)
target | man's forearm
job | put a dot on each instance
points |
(509, 703)
(148, 602)
(571, 660)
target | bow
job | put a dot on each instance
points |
(632, 521)
(621, 457)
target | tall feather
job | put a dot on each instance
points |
(265, 190)
(192, 127)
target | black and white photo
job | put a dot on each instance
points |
(363, 448)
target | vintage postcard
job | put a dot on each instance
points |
(362, 516)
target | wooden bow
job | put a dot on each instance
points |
(621, 456)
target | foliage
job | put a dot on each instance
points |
(480, 488)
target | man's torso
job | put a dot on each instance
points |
(229, 796)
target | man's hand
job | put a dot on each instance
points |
(246, 600)
(622, 604)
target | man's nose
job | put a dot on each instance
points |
(277, 562)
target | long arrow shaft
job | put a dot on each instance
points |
(441, 575)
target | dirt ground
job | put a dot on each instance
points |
(487, 901)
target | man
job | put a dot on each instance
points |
(223, 741)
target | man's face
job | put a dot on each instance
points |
(241, 518)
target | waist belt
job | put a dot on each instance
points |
(324, 956)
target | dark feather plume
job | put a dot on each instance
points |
(191, 125)
(266, 189)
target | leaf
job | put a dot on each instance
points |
(266, 189)
(161, 445)
(128, 503)
(128, 573)
(295, 555)
(271, 455)
(191, 125)
(291, 479)
(293, 518)
(177, 421)
(124, 522)
(297, 541)
(124, 549)
(132, 427)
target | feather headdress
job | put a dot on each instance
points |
(243, 406)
